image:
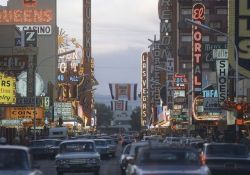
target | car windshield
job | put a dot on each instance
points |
(11, 159)
(100, 143)
(110, 141)
(38, 143)
(50, 142)
(77, 147)
(164, 156)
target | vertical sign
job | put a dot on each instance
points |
(221, 56)
(198, 13)
(170, 83)
(239, 19)
(144, 89)
(165, 15)
(156, 64)
(88, 96)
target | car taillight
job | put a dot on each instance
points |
(203, 159)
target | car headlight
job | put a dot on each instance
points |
(92, 160)
(61, 162)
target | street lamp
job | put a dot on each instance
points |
(36, 68)
(229, 39)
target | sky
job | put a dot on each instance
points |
(120, 33)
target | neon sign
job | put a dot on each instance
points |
(26, 16)
(198, 16)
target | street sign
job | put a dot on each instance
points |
(46, 102)
(30, 38)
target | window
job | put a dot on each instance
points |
(221, 11)
(205, 38)
(215, 24)
(207, 11)
(186, 38)
(186, 11)
(222, 38)
(186, 65)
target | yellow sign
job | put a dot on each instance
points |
(7, 89)
(24, 113)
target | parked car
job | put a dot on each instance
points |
(226, 158)
(17, 160)
(78, 156)
(163, 159)
(102, 147)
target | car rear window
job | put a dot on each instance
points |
(77, 147)
(227, 150)
(12, 159)
(164, 156)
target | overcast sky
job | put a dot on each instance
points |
(120, 33)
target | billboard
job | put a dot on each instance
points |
(238, 28)
(7, 89)
(23, 113)
(123, 91)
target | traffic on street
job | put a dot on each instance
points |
(125, 87)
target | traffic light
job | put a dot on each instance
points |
(240, 109)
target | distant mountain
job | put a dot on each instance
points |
(105, 99)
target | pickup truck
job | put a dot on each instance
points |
(226, 158)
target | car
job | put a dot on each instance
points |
(39, 149)
(17, 160)
(102, 147)
(128, 139)
(157, 138)
(54, 149)
(124, 154)
(167, 160)
(173, 140)
(44, 148)
(111, 143)
(78, 156)
(131, 152)
(226, 158)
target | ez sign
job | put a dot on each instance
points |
(30, 38)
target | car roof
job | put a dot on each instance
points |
(14, 147)
(207, 144)
(104, 140)
(78, 140)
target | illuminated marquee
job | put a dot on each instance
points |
(198, 16)
(26, 16)
(24, 113)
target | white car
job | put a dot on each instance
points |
(17, 160)
(78, 156)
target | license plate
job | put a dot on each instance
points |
(77, 161)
